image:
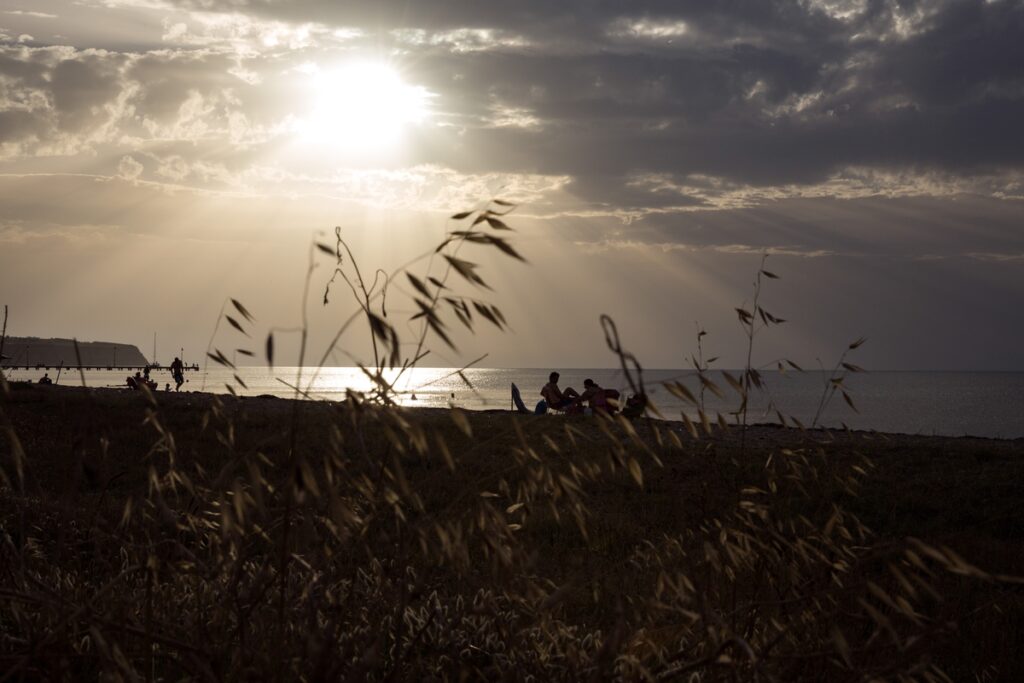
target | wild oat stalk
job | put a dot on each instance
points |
(700, 364)
(749, 321)
(834, 382)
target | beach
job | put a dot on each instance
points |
(88, 452)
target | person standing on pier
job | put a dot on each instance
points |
(178, 373)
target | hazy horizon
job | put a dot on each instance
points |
(158, 157)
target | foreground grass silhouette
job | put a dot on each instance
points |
(218, 538)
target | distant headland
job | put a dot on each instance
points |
(32, 351)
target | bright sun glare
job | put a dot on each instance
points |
(362, 107)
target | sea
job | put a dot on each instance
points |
(983, 404)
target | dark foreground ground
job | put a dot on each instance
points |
(633, 551)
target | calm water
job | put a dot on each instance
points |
(945, 403)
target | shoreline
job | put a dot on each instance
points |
(123, 393)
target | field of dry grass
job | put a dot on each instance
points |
(225, 538)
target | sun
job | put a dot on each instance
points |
(362, 106)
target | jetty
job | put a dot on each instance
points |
(44, 366)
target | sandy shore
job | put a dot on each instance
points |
(966, 478)
(275, 409)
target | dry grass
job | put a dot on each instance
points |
(174, 549)
(190, 536)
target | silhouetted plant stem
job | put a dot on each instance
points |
(293, 465)
(364, 310)
(3, 338)
(834, 382)
(749, 324)
(698, 363)
(433, 306)
(209, 344)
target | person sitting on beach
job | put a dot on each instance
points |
(45, 379)
(131, 383)
(598, 398)
(138, 382)
(555, 397)
(636, 405)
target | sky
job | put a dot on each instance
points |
(160, 156)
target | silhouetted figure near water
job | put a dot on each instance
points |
(138, 382)
(555, 398)
(178, 373)
(598, 398)
(635, 405)
(45, 379)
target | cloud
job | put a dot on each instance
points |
(62, 101)
(997, 258)
(644, 115)
(763, 95)
(462, 40)
(27, 13)
(645, 29)
(20, 233)
(870, 227)
(604, 246)
(129, 168)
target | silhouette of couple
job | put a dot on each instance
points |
(570, 401)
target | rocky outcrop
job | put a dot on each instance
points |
(35, 351)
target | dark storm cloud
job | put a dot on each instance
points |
(571, 21)
(753, 93)
(907, 228)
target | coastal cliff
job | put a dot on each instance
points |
(36, 351)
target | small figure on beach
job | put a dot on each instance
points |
(138, 382)
(599, 400)
(635, 405)
(555, 398)
(145, 373)
(45, 379)
(178, 373)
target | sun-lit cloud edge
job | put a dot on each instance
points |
(852, 182)
(709, 194)
(607, 246)
(612, 245)
(20, 233)
(30, 13)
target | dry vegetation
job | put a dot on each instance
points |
(189, 536)
(396, 545)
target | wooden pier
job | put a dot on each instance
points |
(121, 368)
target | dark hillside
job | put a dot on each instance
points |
(52, 352)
